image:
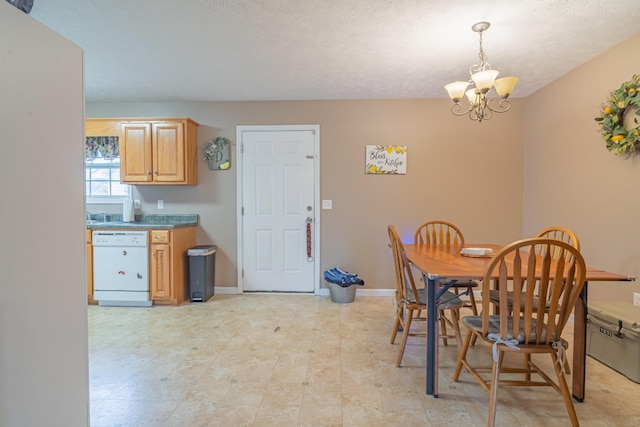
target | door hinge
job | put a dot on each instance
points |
(243, 273)
(242, 147)
(242, 211)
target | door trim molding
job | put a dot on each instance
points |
(316, 190)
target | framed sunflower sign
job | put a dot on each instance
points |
(618, 119)
(386, 159)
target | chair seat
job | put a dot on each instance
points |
(475, 323)
(447, 301)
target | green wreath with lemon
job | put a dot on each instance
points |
(619, 139)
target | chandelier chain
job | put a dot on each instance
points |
(482, 60)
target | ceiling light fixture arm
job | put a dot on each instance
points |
(481, 108)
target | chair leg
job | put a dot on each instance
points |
(493, 393)
(396, 325)
(474, 309)
(472, 301)
(567, 364)
(405, 335)
(462, 354)
(527, 366)
(455, 319)
(564, 389)
(473, 341)
(443, 328)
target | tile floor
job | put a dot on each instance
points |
(289, 360)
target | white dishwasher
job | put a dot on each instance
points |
(121, 268)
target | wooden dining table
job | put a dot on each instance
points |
(441, 266)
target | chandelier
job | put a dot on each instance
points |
(483, 78)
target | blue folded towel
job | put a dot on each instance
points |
(343, 278)
(340, 271)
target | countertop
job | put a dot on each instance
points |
(142, 222)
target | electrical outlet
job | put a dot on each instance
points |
(636, 298)
(160, 204)
(136, 204)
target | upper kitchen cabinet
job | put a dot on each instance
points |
(159, 151)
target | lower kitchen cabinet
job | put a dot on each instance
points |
(168, 265)
(160, 266)
(168, 275)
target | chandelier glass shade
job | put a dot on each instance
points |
(478, 105)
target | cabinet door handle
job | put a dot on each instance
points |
(156, 172)
(148, 172)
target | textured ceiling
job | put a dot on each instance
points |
(208, 50)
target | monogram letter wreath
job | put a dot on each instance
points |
(619, 139)
(216, 153)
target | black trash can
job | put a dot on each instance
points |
(202, 268)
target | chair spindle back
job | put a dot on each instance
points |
(438, 233)
(544, 288)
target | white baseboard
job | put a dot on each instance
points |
(226, 291)
(323, 291)
(367, 292)
(376, 292)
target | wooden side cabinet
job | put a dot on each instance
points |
(159, 152)
(168, 264)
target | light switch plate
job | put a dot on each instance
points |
(160, 204)
(136, 204)
(636, 298)
(327, 204)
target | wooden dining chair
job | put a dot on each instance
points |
(561, 233)
(410, 299)
(530, 325)
(557, 233)
(446, 233)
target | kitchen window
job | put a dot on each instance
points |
(102, 171)
(102, 181)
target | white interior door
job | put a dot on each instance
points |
(278, 221)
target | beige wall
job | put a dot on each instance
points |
(543, 163)
(43, 302)
(572, 180)
(459, 170)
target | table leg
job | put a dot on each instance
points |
(432, 337)
(579, 346)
